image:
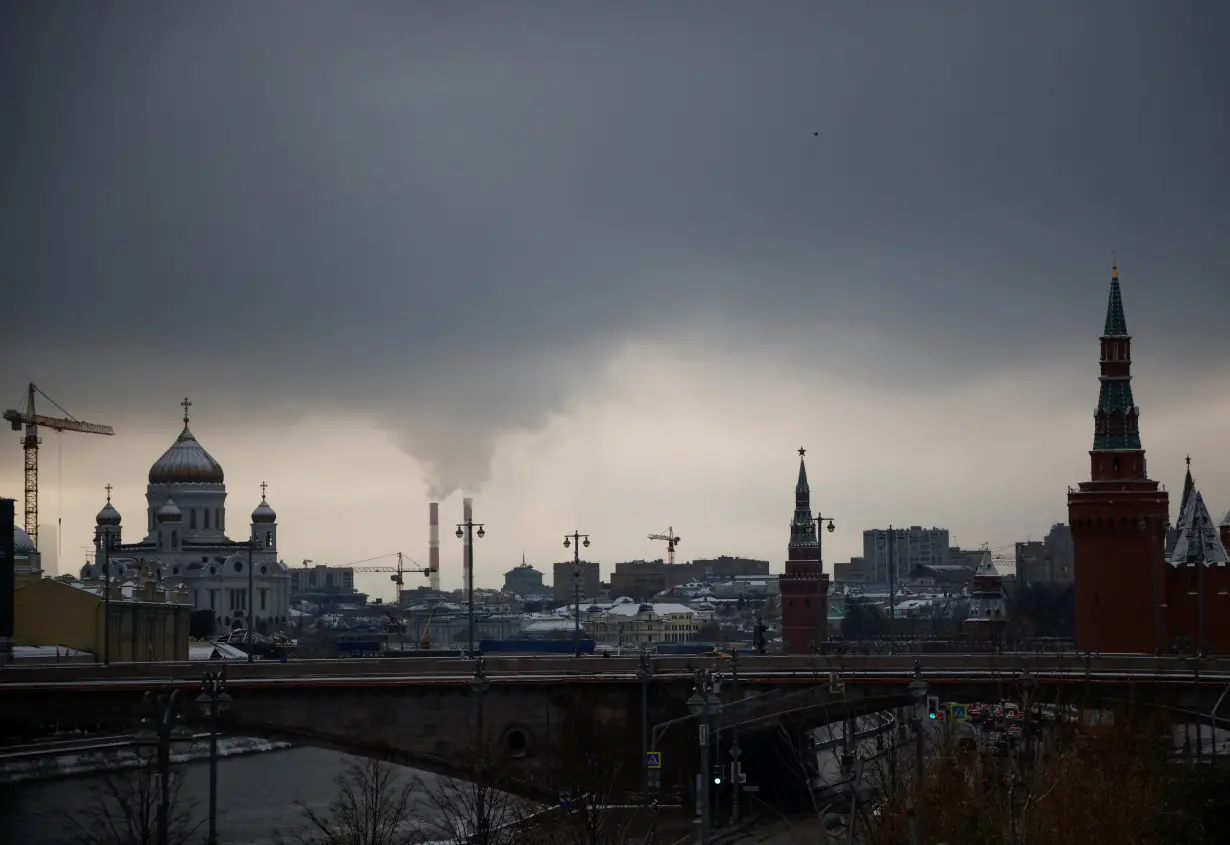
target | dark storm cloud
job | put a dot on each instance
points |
(450, 213)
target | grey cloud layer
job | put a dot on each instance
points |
(450, 214)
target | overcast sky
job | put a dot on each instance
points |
(607, 266)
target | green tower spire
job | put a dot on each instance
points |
(802, 527)
(1116, 420)
(1116, 323)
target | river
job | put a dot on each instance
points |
(258, 797)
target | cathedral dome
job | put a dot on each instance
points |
(264, 513)
(23, 546)
(186, 462)
(169, 512)
(108, 515)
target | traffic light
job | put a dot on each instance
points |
(933, 706)
(717, 775)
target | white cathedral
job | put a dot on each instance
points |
(186, 542)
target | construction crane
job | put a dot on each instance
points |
(29, 418)
(671, 539)
(399, 571)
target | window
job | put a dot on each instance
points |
(192, 518)
(174, 539)
(264, 593)
(206, 514)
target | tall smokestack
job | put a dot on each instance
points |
(467, 510)
(433, 544)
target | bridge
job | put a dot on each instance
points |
(427, 713)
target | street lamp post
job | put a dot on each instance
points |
(466, 530)
(160, 728)
(643, 673)
(251, 602)
(576, 540)
(108, 542)
(703, 702)
(213, 700)
(479, 684)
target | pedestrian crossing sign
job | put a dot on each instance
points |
(959, 713)
(653, 759)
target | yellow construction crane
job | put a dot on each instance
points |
(29, 418)
(671, 540)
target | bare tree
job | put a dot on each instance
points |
(594, 807)
(374, 806)
(477, 812)
(124, 809)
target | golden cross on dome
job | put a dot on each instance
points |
(1189, 461)
(802, 451)
(263, 486)
(108, 488)
(186, 404)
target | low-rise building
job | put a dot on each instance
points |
(149, 622)
(630, 624)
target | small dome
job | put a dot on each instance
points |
(264, 513)
(186, 462)
(23, 546)
(108, 515)
(169, 512)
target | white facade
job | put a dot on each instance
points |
(186, 541)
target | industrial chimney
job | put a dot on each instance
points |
(433, 544)
(467, 509)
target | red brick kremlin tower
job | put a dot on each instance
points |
(1119, 517)
(804, 586)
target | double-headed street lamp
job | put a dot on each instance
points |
(465, 530)
(162, 725)
(703, 702)
(575, 540)
(213, 700)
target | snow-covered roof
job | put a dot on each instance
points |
(1198, 541)
(544, 626)
(659, 609)
(1225, 520)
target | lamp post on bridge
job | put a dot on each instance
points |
(250, 598)
(466, 530)
(479, 684)
(213, 700)
(576, 540)
(162, 725)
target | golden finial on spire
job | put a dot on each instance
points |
(1114, 272)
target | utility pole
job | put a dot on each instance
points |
(918, 689)
(736, 770)
(576, 540)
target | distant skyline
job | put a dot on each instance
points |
(591, 265)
